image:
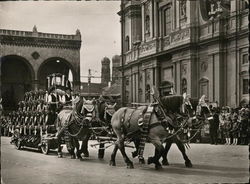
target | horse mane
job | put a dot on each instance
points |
(172, 103)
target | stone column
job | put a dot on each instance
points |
(35, 84)
(143, 21)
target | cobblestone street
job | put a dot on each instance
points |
(211, 164)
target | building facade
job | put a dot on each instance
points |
(28, 57)
(198, 47)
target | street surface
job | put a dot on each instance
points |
(211, 164)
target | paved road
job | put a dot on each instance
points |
(212, 163)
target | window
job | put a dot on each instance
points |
(127, 44)
(140, 94)
(204, 89)
(126, 95)
(147, 25)
(245, 59)
(127, 81)
(167, 21)
(184, 86)
(168, 74)
(245, 86)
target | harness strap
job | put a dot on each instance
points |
(67, 138)
(65, 126)
(144, 131)
(129, 118)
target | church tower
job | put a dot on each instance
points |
(116, 74)
(105, 71)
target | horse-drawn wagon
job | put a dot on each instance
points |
(33, 125)
(47, 119)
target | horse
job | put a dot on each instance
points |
(106, 111)
(74, 125)
(172, 105)
(189, 109)
(194, 121)
(125, 123)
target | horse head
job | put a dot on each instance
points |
(88, 109)
(109, 111)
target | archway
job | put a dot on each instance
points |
(54, 65)
(16, 79)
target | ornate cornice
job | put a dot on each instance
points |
(37, 39)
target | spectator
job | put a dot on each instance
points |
(244, 115)
(235, 127)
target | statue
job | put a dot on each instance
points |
(35, 29)
(78, 32)
(183, 8)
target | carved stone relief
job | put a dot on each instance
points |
(204, 66)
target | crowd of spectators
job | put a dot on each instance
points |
(230, 126)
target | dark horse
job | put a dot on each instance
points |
(195, 120)
(188, 115)
(73, 125)
(125, 124)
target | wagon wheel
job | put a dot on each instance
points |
(45, 148)
(17, 141)
(18, 144)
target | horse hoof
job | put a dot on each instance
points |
(165, 162)
(60, 156)
(141, 161)
(130, 166)
(86, 154)
(158, 167)
(79, 156)
(150, 160)
(73, 157)
(134, 154)
(112, 163)
(188, 164)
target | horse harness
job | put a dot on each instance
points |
(143, 123)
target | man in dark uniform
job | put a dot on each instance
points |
(52, 107)
(214, 126)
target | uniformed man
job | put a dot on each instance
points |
(214, 126)
(53, 102)
(67, 98)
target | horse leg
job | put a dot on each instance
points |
(59, 148)
(71, 147)
(121, 146)
(165, 152)
(77, 146)
(137, 143)
(135, 153)
(159, 149)
(85, 146)
(181, 147)
(113, 155)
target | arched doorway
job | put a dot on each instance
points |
(16, 79)
(54, 65)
